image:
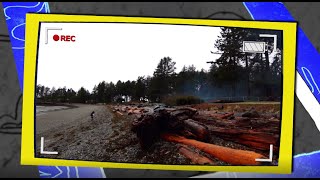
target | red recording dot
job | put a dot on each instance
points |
(56, 37)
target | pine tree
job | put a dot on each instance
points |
(230, 44)
(162, 83)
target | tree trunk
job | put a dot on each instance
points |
(248, 76)
(267, 61)
(267, 72)
(234, 77)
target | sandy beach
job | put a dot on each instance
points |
(51, 117)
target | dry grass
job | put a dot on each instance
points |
(240, 107)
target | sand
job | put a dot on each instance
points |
(50, 117)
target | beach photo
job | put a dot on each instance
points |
(159, 94)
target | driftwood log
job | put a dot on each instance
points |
(150, 126)
(229, 155)
(258, 132)
(250, 138)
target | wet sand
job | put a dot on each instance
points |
(52, 117)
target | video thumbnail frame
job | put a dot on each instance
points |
(289, 53)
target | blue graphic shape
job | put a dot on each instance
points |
(304, 166)
(15, 14)
(307, 72)
(308, 65)
(308, 58)
(70, 172)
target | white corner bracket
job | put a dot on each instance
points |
(270, 156)
(45, 152)
(47, 31)
(274, 40)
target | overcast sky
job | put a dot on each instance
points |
(118, 51)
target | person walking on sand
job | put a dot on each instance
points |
(92, 115)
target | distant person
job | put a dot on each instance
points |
(92, 115)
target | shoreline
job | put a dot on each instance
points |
(70, 105)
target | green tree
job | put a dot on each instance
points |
(128, 89)
(202, 84)
(120, 90)
(83, 95)
(110, 92)
(46, 93)
(94, 94)
(53, 96)
(140, 88)
(186, 81)
(230, 44)
(161, 84)
(165, 68)
(71, 95)
(262, 69)
(101, 88)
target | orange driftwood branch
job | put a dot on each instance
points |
(228, 155)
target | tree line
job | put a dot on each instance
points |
(233, 70)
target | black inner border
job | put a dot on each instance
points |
(36, 73)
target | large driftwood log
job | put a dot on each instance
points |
(229, 155)
(250, 138)
(257, 133)
(148, 127)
